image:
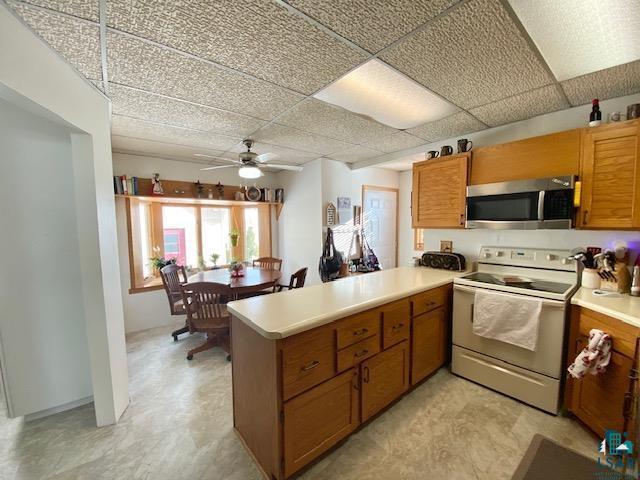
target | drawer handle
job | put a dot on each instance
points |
(431, 303)
(310, 366)
(395, 328)
(365, 376)
(361, 353)
(362, 331)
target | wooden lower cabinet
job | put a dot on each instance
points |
(295, 398)
(602, 402)
(429, 343)
(385, 378)
(319, 418)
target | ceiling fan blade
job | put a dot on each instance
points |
(217, 166)
(266, 157)
(204, 155)
(294, 168)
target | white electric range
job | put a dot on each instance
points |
(534, 377)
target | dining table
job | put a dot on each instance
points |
(254, 280)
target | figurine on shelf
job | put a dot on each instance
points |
(157, 184)
(199, 189)
(220, 189)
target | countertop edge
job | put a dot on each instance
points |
(623, 317)
(333, 316)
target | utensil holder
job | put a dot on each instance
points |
(590, 278)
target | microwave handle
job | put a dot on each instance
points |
(541, 205)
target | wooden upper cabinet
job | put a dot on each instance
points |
(610, 174)
(557, 154)
(439, 192)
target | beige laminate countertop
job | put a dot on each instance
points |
(625, 308)
(286, 313)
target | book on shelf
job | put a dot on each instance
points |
(125, 186)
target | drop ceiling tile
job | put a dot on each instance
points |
(522, 106)
(383, 23)
(139, 64)
(87, 9)
(253, 36)
(288, 156)
(132, 127)
(330, 121)
(395, 142)
(298, 139)
(143, 147)
(473, 56)
(608, 83)
(577, 37)
(148, 106)
(77, 41)
(458, 124)
(355, 154)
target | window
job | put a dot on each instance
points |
(191, 233)
(251, 234)
(216, 227)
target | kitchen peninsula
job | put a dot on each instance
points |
(311, 365)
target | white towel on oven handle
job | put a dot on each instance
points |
(507, 318)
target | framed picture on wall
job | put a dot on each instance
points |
(344, 209)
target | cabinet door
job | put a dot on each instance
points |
(598, 400)
(384, 378)
(439, 192)
(429, 343)
(610, 174)
(318, 419)
(396, 322)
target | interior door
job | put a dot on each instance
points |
(380, 222)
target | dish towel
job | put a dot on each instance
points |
(595, 357)
(507, 318)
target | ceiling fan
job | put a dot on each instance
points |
(250, 163)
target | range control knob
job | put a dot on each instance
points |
(551, 257)
(486, 254)
(566, 261)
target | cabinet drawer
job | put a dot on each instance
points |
(358, 327)
(396, 320)
(307, 360)
(427, 301)
(354, 354)
(623, 335)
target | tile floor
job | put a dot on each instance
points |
(179, 425)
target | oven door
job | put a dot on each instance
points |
(546, 360)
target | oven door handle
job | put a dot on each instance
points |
(541, 205)
(545, 302)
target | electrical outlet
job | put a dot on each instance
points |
(446, 246)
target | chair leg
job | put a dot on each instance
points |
(211, 342)
(180, 331)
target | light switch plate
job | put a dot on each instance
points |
(446, 246)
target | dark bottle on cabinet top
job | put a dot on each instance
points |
(596, 114)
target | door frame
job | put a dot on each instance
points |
(383, 189)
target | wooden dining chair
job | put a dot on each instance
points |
(207, 313)
(296, 280)
(268, 262)
(173, 276)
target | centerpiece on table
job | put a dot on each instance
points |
(236, 268)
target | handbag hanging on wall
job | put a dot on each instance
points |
(331, 259)
(369, 258)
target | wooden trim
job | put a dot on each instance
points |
(385, 189)
(198, 211)
(150, 288)
(418, 243)
(197, 201)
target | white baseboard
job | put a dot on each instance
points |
(60, 408)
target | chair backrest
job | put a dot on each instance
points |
(205, 301)
(172, 281)
(298, 278)
(268, 262)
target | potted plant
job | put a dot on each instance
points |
(236, 268)
(201, 265)
(214, 259)
(158, 261)
(234, 235)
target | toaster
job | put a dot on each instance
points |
(444, 261)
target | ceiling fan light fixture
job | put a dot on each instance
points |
(249, 172)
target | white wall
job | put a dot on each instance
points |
(43, 336)
(36, 78)
(468, 242)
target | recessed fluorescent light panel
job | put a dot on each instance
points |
(378, 91)
(577, 37)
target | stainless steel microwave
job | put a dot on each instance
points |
(543, 203)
